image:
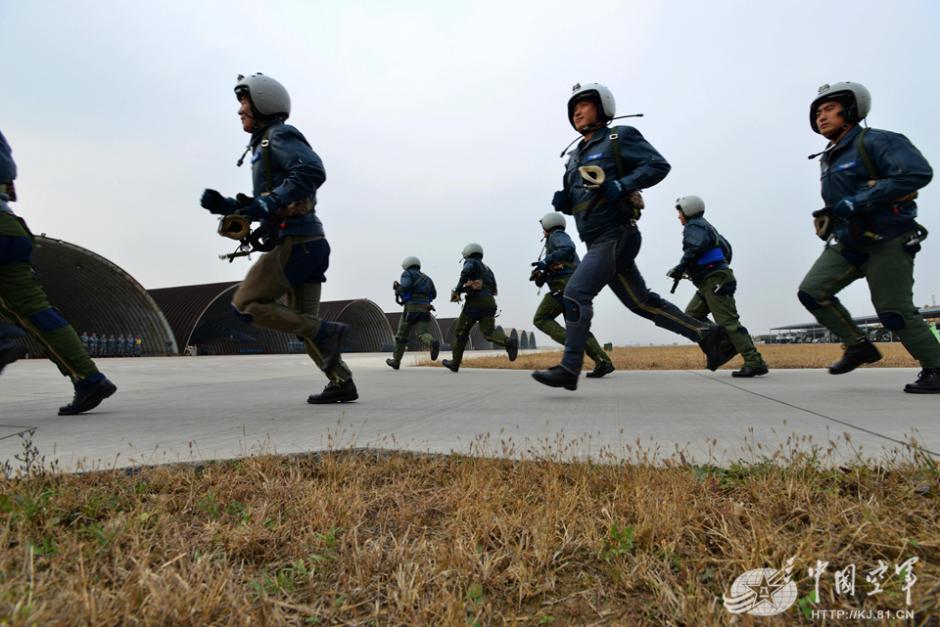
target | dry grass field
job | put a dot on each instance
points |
(689, 357)
(364, 537)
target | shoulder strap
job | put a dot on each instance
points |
(266, 155)
(866, 158)
(615, 143)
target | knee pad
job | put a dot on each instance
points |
(891, 320)
(576, 313)
(572, 310)
(245, 317)
(401, 340)
(48, 319)
(808, 301)
(462, 338)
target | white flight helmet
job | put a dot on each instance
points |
(690, 206)
(552, 220)
(267, 96)
(602, 97)
(472, 249)
(409, 262)
(854, 97)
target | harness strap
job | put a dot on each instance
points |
(615, 142)
(866, 158)
(266, 156)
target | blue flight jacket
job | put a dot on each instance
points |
(417, 288)
(474, 269)
(13, 248)
(702, 248)
(643, 167)
(559, 248)
(900, 170)
(295, 173)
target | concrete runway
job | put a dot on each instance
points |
(198, 408)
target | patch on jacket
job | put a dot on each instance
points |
(593, 157)
(845, 166)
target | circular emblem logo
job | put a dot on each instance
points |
(761, 592)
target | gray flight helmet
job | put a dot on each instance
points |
(602, 97)
(854, 97)
(472, 249)
(690, 206)
(552, 220)
(410, 262)
(267, 96)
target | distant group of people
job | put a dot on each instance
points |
(110, 346)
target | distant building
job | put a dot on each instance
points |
(202, 318)
(813, 332)
(96, 296)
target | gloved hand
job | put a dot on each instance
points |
(217, 203)
(613, 189)
(844, 208)
(540, 264)
(561, 201)
(261, 207)
(676, 273)
(454, 297)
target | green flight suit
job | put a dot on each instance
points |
(550, 308)
(715, 295)
(415, 316)
(478, 309)
(272, 301)
(889, 269)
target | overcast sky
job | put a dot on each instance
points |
(441, 123)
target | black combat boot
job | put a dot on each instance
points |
(717, 347)
(928, 382)
(88, 395)
(10, 352)
(557, 377)
(330, 342)
(855, 356)
(751, 371)
(450, 365)
(335, 393)
(394, 364)
(435, 350)
(512, 348)
(600, 369)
